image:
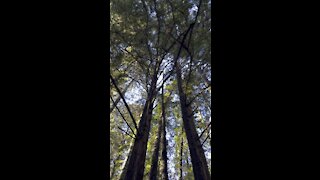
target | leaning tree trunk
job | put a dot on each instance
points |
(164, 140)
(138, 156)
(155, 156)
(113, 171)
(125, 167)
(198, 159)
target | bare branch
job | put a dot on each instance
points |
(125, 74)
(155, 106)
(204, 130)
(126, 132)
(147, 27)
(159, 25)
(122, 116)
(205, 139)
(198, 94)
(194, 111)
(118, 98)
(114, 83)
(198, 12)
(189, 53)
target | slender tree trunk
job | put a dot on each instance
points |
(181, 154)
(198, 159)
(164, 141)
(119, 97)
(138, 156)
(126, 165)
(114, 166)
(118, 157)
(155, 156)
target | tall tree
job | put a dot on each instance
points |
(199, 163)
(154, 42)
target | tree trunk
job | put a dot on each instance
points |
(114, 166)
(198, 159)
(155, 156)
(181, 154)
(119, 97)
(125, 167)
(164, 141)
(138, 155)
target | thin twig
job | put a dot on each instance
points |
(204, 130)
(118, 98)
(126, 132)
(198, 94)
(206, 139)
(194, 111)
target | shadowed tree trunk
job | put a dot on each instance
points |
(138, 156)
(198, 159)
(155, 156)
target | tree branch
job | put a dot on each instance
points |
(159, 26)
(118, 98)
(198, 94)
(134, 121)
(204, 130)
(189, 53)
(123, 116)
(194, 111)
(126, 132)
(147, 28)
(198, 12)
(205, 139)
(125, 74)
(155, 106)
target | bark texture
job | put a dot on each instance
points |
(138, 156)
